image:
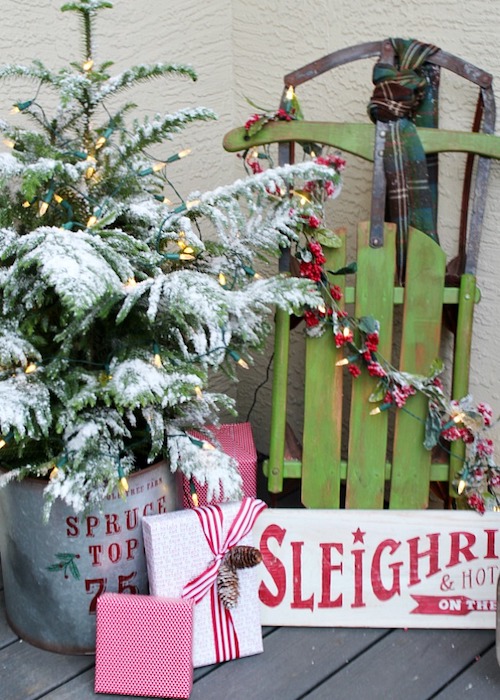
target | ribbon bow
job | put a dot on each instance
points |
(211, 520)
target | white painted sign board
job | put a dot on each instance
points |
(355, 568)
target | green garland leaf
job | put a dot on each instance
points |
(327, 238)
(433, 429)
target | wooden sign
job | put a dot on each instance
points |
(359, 568)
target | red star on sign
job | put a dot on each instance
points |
(358, 536)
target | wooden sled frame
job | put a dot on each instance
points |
(366, 470)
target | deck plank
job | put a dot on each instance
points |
(409, 664)
(297, 663)
(480, 680)
(294, 660)
(27, 673)
(7, 636)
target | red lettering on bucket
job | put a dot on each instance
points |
(112, 523)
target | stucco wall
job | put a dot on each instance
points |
(243, 49)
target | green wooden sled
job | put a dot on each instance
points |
(358, 473)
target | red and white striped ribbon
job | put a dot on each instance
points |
(211, 521)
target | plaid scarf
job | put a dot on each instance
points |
(405, 96)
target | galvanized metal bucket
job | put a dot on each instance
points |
(54, 572)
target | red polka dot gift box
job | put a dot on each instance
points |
(236, 440)
(144, 646)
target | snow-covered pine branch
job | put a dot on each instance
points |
(159, 128)
(136, 74)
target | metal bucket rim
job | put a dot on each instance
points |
(41, 479)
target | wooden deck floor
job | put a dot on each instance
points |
(313, 663)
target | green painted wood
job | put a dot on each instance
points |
(292, 469)
(368, 434)
(422, 314)
(359, 139)
(450, 295)
(461, 364)
(279, 403)
(323, 410)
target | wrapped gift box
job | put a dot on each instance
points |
(236, 440)
(144, 646)
(186, 545)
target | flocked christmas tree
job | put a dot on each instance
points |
(116, 308)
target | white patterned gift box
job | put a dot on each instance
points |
(183, 551)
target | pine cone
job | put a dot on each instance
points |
(228, 585)
(79, 206)
(242, 557)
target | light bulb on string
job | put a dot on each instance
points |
(222, 279)
(461, 486)
(341, 363)
(123, 486)
(238, 359)
(130, 283)
(30, 368)
(251, 272)
(103, 138)
(9, 143)
(53, 473)
(194, 495)
(42, 208)
(186, 206)
(21, 106)
(178, 156)
(303, 197)
(91, 166)
(379, 409)
(454, 420)
(5, 440)
(88, 65)
(153, 169)
(202, 444)
(43, 205)
(26, 204)
(290, 93)
(198, 392)
(162, 199)
(157, 360)
(91, 221)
